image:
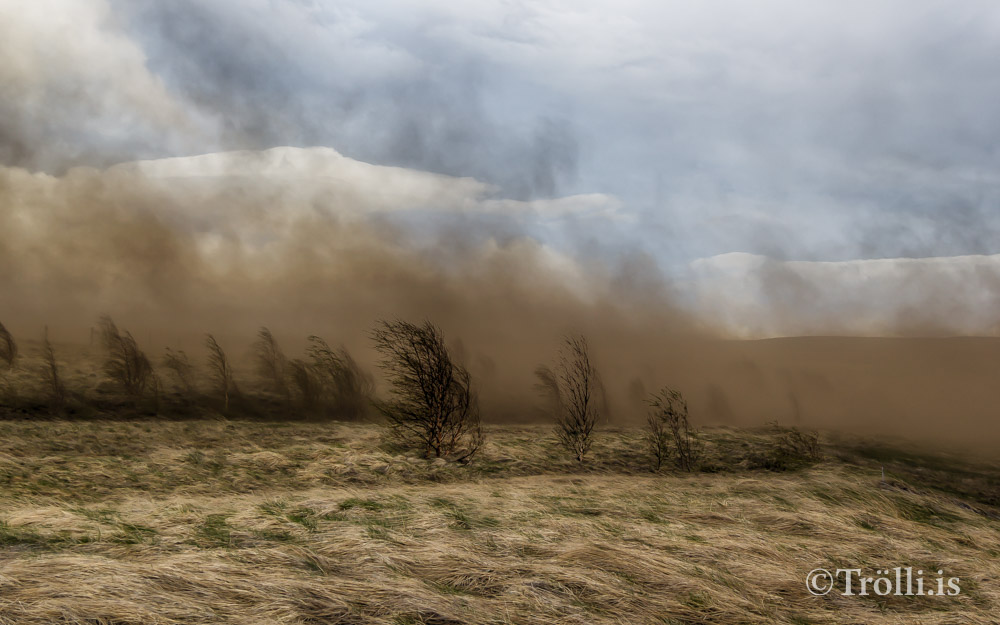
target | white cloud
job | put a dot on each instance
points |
(72, 81)
(755, 296)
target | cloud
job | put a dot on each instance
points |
(798, 132)
(75, 88)
(808, 132)
(228, 229)
(755, 296)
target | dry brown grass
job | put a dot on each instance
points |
(228, 522)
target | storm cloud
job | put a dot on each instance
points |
(659, 175)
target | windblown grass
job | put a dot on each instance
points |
(219, 522)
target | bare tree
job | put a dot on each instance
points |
(8, 348)
(573, 387)
(669, 432)
(50, 373)
(433, 405)
(272, 366)
(221, 371)
(181, 366)
(126, 364)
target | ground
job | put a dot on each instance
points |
(247, 522)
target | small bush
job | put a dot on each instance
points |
(668, 432)
(272, 366)
(657, 439)
(221, 372)
(346, 388)
(572, 387)
(790, 449)
(307, 387)
(331, 383)
(54, 386)
(179, 364)
(803, 445)
(126, 365)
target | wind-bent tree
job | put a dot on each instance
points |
(8, 348)
(8, 356)
(573, 387)
(331, 382)
(432, 405)
(221, 371)
(50, 374)
(308, 389)
(126, 365)
(668, 432)
(346, 389)
(272, 366)
(183, 370)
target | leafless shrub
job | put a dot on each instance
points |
(126, 365)
(800, 444)
(657, 439)
(789, 449)
(272, 366)
(433, 405)
(8, 348)
(221, 372)
(668, 432)
(573, 387)
(179, 364)
(50, 374)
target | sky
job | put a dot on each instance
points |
(708, 139)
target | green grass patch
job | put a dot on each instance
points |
(306, 517)
(215, 532)
(462, 519)
(365, 504)
(133, 534)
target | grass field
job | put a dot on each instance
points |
(234, 522)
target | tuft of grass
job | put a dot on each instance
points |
(462, 519)
(215, 532)
(273, 535)
(275, 507)
(926, 513)
(133, 534)
(364, 504)
(306, 517)
(20, 536)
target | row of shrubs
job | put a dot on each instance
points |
(326, 383)
(431, 404)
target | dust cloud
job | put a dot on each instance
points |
(307, 241)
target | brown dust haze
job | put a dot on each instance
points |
(228, 243)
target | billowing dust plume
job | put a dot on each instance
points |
(306, 241)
